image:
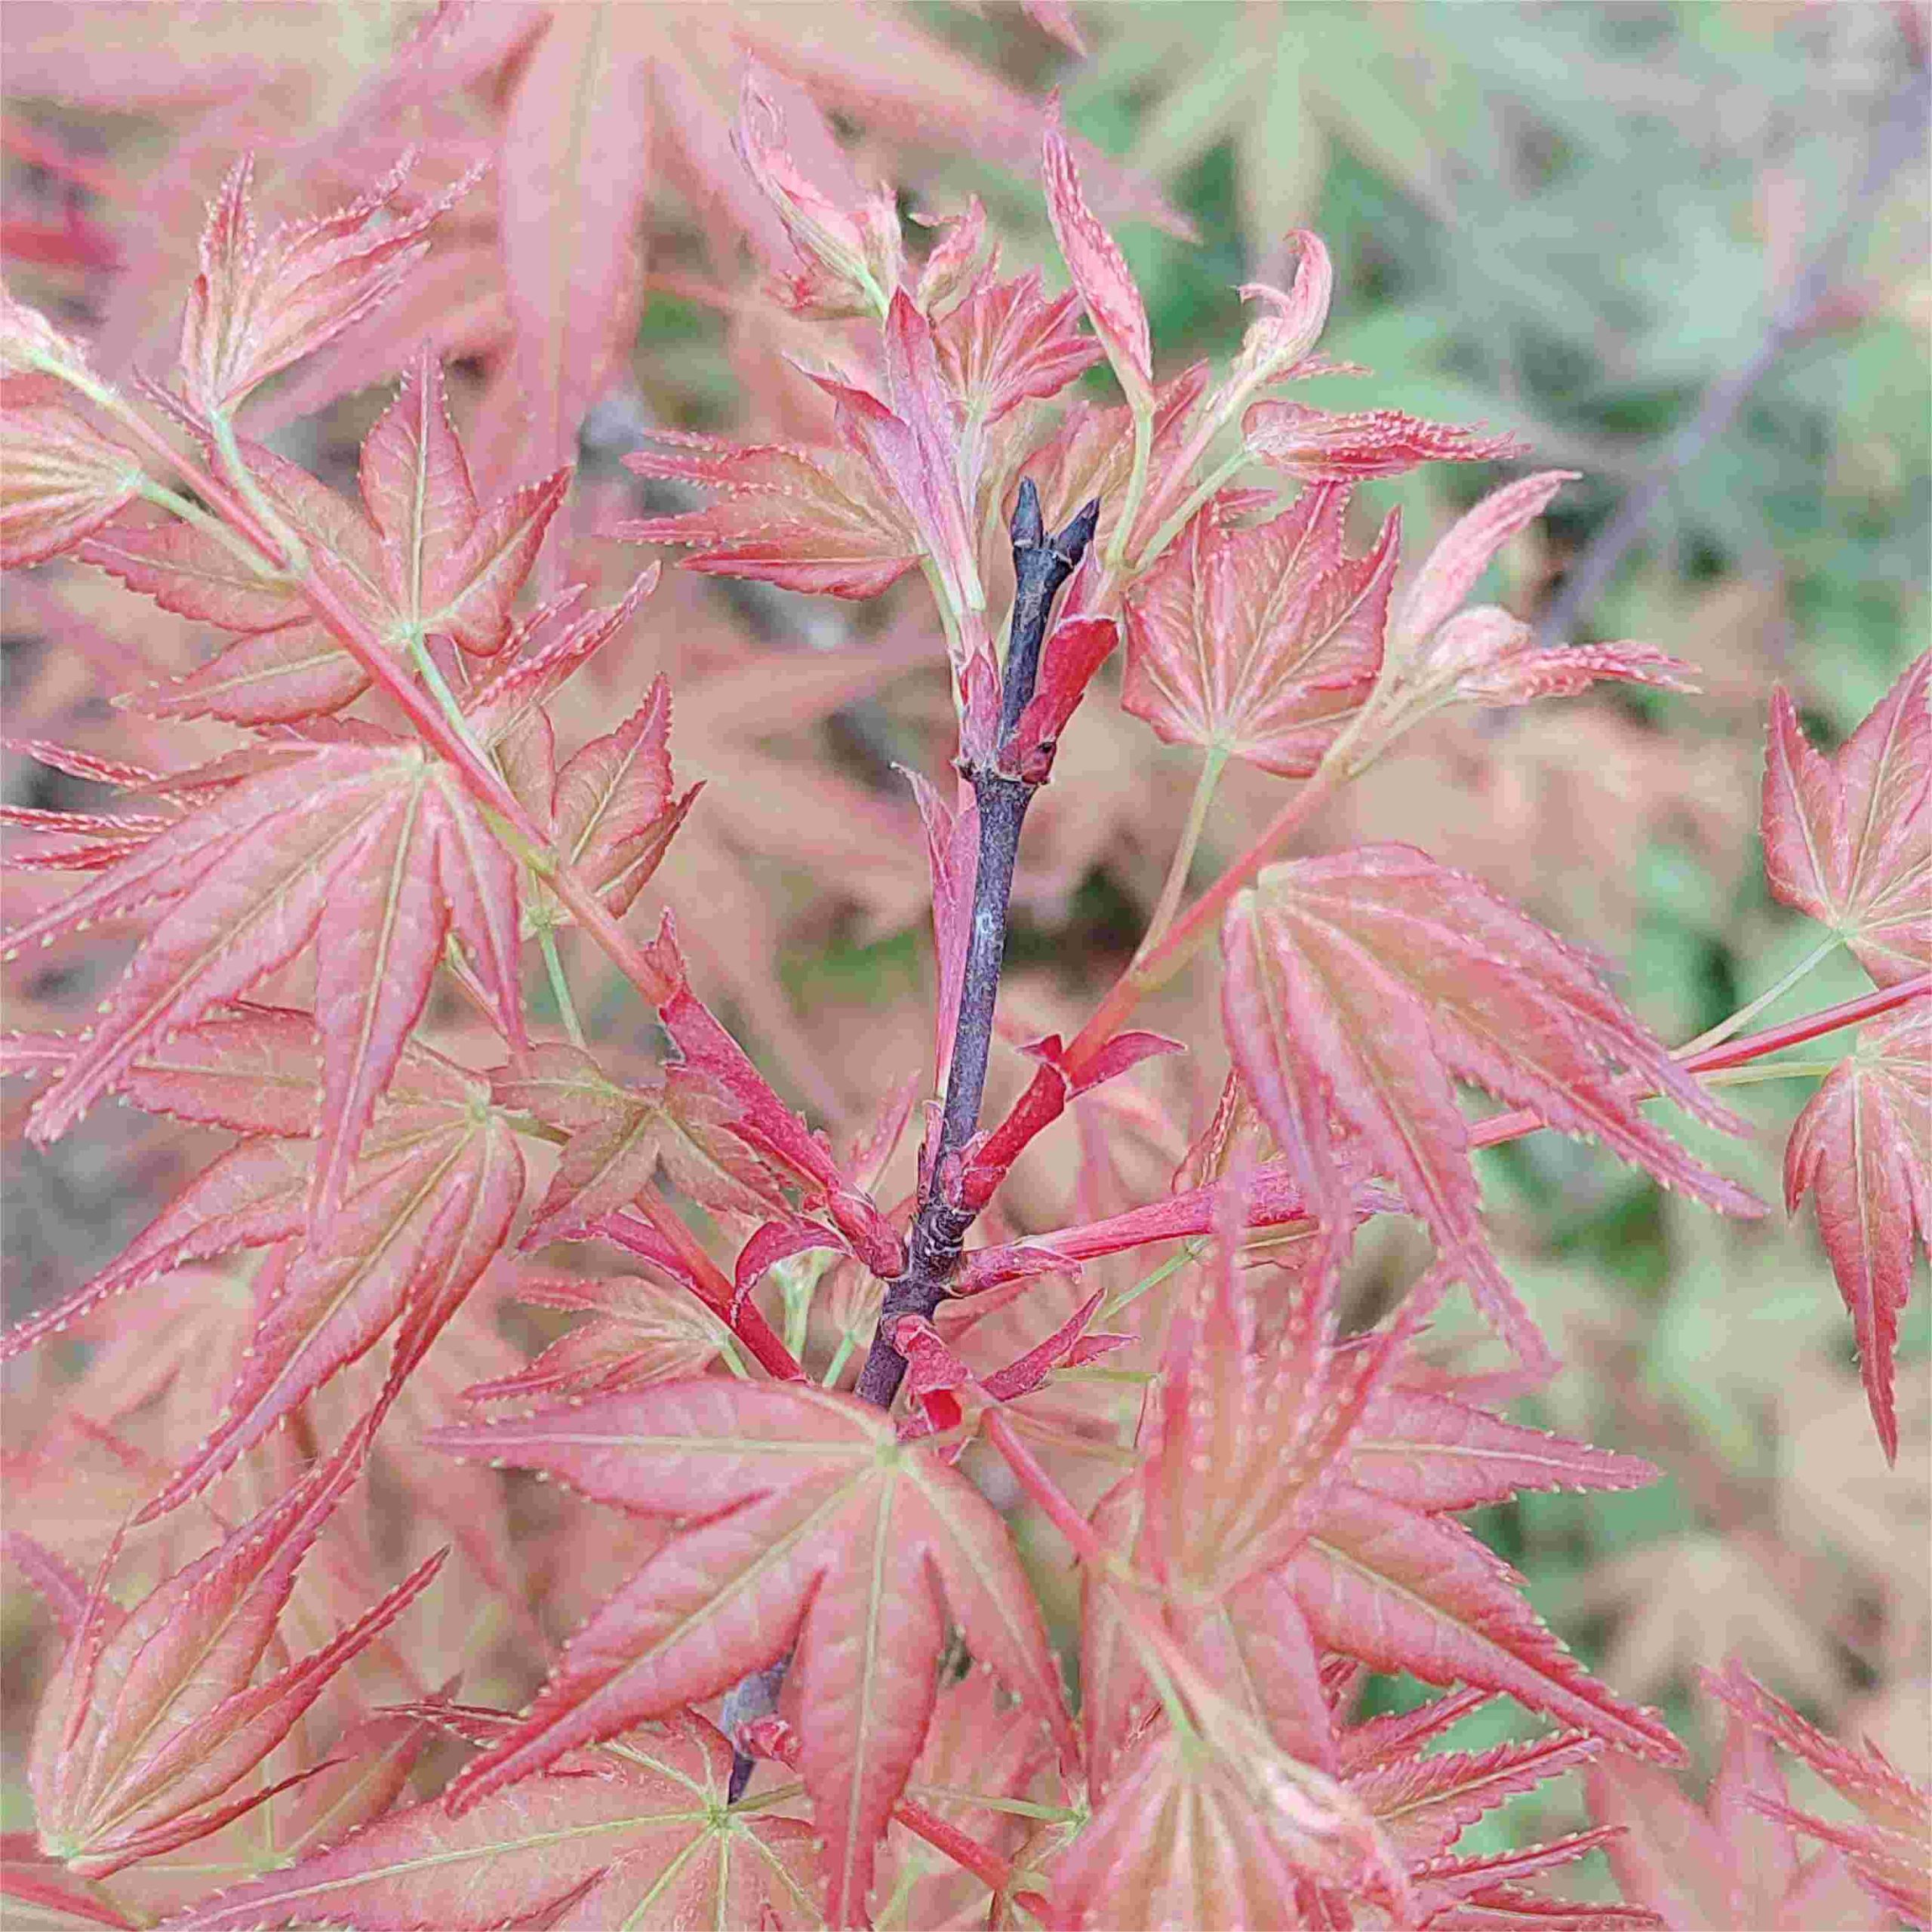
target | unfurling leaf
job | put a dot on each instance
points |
(258, 306)
(154, 1718)
(855, 255)
(1260, 644)
(1848, 838)
(1099, 270)
(633, 1833)
(1369, 983)
(809, 1525)
(1319, 448)
(1006, 344)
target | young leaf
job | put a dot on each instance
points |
(154, 1718)
(256, 306)
(1099, 270)
(1006, 344)
(808, 519)
(1848, 838)
(614, 808)
(63, 480)
(641, 1332)
(1862, 1149)
(810, 1528)
(634, 1833)
(1260, 644)
(1319, 448)
(620, 1136)
(1369, 982)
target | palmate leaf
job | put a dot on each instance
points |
(1296, 1501)
(620, 1136)
(1887, 1845)
(364, 843)
(1724, 1866)
(63, 480)
(641, 1331)
(1260, 644)
(1848, 838)
(154, 1716)
(634, 1832)
(809, 1528)
(1360, 986)
(1863, 1150)
(428, 1205)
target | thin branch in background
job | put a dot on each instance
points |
(1900, 138)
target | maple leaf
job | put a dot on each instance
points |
(809, 519)
(1100, 270)
(63, 480)
(634, 1832)
(449, 566)
(1367, 982)
(1319, 447)
(153, 1718)
(1440, 653)
(811, 1529)
(642, 1331)
(365, 844)
(1886, 1846)
(1862, 1149)
(1296, 1498)
(613, 807)
(1260, 644)
(1005, 343)
(1725, 1866)
(1848, 838)
(428, 1203)
(1223, 1830)
(258, 306)
(620, 1136)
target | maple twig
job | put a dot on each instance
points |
(1042, 563)
(1273, 1201)
(1901, 136)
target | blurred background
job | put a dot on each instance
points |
(1680, 249)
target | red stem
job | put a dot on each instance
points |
(1273, 1203)
(713, 1288)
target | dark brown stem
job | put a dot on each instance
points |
(1041, 564)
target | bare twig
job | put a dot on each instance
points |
(1901, 136)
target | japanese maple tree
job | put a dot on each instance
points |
(822, 1687)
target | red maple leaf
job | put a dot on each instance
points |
(1848, 838)
(808, 1528)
